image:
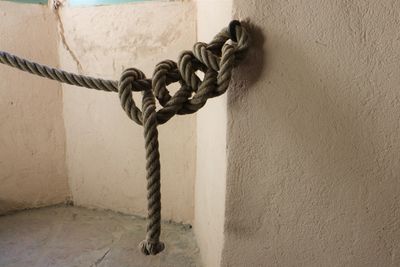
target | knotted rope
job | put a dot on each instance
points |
(216, 60)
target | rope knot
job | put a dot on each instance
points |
(151, 247)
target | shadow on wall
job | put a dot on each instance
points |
(312, 173)
(254, 62)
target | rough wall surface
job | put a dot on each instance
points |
(32, 137)
(105, 150)
(313, 136)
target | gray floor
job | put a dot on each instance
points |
(71, 236)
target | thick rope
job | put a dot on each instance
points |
(216, 60)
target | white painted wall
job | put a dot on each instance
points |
(212, 16)
(313, 136)
(32, 137)
(105, 150)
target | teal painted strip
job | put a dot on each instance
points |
(102, 2)
(41, 2)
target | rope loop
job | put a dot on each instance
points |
(126, 85)
(215, 60)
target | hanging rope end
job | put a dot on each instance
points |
(151, 248)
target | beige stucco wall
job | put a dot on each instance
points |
(32, 137)
(105, 150)
(210, 187)
(313, 136)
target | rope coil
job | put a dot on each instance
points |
(216, 60)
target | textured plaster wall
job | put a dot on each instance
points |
(105, 150)
(212, 16)
(313, 136)
(32, 137)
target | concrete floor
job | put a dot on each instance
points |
(72, 236)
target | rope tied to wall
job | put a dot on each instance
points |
(215, 59)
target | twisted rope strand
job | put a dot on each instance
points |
(216, 60)
(152, 244)
(56, 74)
